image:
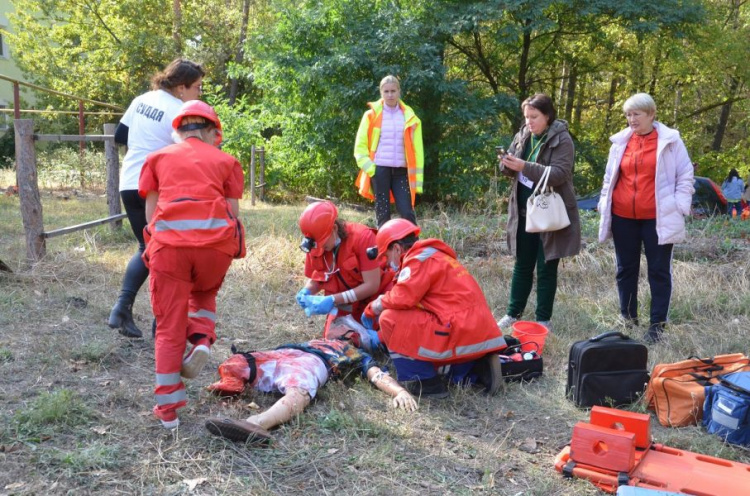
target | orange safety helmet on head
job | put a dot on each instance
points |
(198, 108)
(317, 223)
(394, 230)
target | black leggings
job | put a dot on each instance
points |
(136, 272)
(394, 180)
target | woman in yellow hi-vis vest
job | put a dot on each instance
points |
(389, 154)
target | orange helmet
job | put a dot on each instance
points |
(394, 230)
(317, 223)
(198, 108)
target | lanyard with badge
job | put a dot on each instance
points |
(532, 158)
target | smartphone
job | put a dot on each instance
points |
(501, 153)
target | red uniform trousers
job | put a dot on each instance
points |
(184, 284)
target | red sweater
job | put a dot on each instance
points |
(634, 195)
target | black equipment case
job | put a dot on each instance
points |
(523, 371)
(609, 370)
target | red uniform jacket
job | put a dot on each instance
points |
(343, 271)
(193, 180)
(431, 281)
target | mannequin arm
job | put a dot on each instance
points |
(390, 386)
(290, 405)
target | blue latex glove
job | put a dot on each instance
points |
(374, 338)
(318, 305)
(367, 322)
(301, 297)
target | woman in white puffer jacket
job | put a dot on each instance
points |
(646, 194)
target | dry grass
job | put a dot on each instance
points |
(76, 397)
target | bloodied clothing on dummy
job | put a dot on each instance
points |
(307, 366)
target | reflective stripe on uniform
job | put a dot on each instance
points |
(168, 399)
(435, 355)
(168, 379)
(394, 355)
(189, 225)
(204, 314)
(472, 349)
(427, 253)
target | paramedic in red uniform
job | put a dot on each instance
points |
(337, 264)
(192, 192)
(435, 315)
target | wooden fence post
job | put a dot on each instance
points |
(112, 159)
(252, 175)
(28, 190)
(81, 126)
(262, 174)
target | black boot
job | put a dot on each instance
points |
(654, 334)
(121, 317)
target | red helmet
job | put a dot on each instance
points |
(317, 223)
(198, 108)
(394, 230)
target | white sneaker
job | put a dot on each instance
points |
(194, 362)
(170, 424)
(506, 322)
(547, 324)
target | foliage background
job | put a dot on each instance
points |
(295, 76)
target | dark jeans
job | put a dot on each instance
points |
(387, 181)
(629, 235)
(734, 206)
(530, 254)
(136, 272)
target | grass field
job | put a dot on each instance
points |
(76, 397)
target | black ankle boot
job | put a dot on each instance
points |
(654, 334)
(121, 317)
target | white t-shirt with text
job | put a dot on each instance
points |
(149, 120)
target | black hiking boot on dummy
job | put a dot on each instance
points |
(121, 317)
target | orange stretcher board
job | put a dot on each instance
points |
(602, 456)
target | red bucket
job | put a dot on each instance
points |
(531, 334)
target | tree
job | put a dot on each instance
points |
(108, 50)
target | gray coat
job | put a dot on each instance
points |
(557, 152)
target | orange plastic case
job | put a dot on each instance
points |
(615, 449)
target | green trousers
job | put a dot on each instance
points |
(530, 254)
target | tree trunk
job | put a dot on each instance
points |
(581, 94)
(177, 26)
(563, 85)
(523, 70)
(721, 127)
(432, 102)
(610, 104)
(240, 50)
(571, 93)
